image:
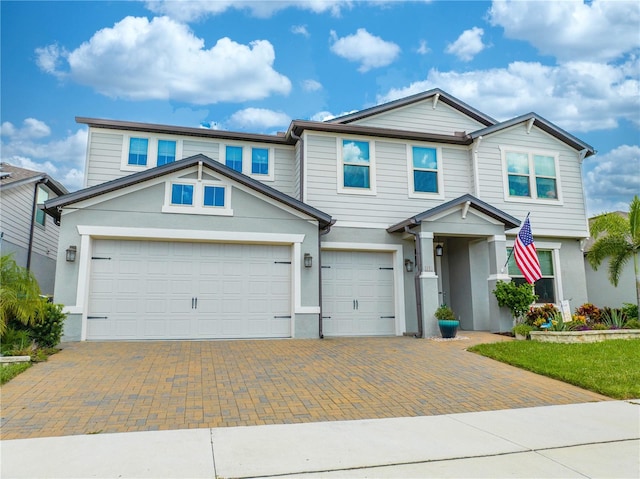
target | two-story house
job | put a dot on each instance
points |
(26, 232)
(357, 226)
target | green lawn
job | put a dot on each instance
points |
(10, 371)
(611, 368)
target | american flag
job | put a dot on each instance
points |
(526, 255)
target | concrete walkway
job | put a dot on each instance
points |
(595, 440)
(115, 387)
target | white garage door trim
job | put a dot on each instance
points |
(89, 233)
(398, 270)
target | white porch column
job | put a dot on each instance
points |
(428, 285)
(500, 319)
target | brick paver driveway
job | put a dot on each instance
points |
(141, 386)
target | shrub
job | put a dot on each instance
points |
(15, 340)
(632, 324)
(630, 310)
(591, 312)
(48, 327)
(518, 298)
(522, 329)
(538, 315)
(613, 318)
(444, 312)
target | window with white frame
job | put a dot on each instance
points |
(425, 172)
(531, 175)
(166, 152)
(357, 167)
(260, 161)
(138, 151)
(254, 161)
(545, 287)
(43, 195)
(197, 197)
(233, 157)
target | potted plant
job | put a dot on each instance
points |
(522, 330)
(447, 321)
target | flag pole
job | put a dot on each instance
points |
(511, 252)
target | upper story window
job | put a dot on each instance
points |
(259, 161)
(531, 176)
(357, 167)
(138, 151)
(166, 152)
(233, 157)
(425, 172)
(43, 195)
(197, 197)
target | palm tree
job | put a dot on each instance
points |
(620, 243)
(19, 294)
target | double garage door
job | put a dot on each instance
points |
(181, 290)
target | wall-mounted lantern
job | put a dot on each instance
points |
(439, 250)
(71, 253)
(408, 265)
(308, 260)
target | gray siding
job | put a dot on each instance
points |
(285, 170)
(105, 154)
(422, 117)
(569, 216)
(195, 147)
(392, 203)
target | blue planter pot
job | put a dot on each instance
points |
(448, 327)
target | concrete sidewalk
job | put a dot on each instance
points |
(600, 439)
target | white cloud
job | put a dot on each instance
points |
(191, 10)
(300, 30)
(368, 50)
(323, 116)
(468, 44)
(259, 119)
(423, 49)
(578, 97)
(611, 180)
(572, 29)
(311, 85)
(176, 64)
(63, 160)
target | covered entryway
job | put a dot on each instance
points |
(358, 293)
(188, 290)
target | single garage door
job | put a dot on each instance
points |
(357, 292)
(180, 290)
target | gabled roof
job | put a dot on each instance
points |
(52, 206)
(14, 176)
(544, 125)
(475, 203)
(442, 96)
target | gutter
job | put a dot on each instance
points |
(323, 232)
(416, 278)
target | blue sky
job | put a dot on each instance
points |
(255, 66)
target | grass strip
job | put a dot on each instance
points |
(611, 368)
(10, 371)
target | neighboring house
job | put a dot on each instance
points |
(357, 226)
(26, 233)
(600, 290)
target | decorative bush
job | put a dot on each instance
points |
(613, 318)
(590, 311)
(47, 330)
(15, 341)
(630, 310)
(518, 298)
(445, 312)
(538, 315)
(632, 324)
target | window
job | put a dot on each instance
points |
(43, 195)
(166, 152)
(356, 164)
(138, 151)
(181, 194)
(260, 161)
(545, 286)
(233, 157)
(531, 175)
(425, 169)
(214, 196)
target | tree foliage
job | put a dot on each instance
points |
(617, 238)
(19, 294)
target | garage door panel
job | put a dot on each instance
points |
(146, 290)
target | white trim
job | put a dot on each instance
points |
(152, 150)
(428, 275)
(426, 235)
(198, 207)
(359, 224)
(555, 258)
(247, 157)
(84, 275)
(398, 272)
(296, 297)
(499, 277)
(439, 195)
(554, 233)
(539, 244)
(494, 238)
(341, 189)
(533, 199)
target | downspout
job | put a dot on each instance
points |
(33, 220)
(323, 232)
(416, 278)
(301, 179)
